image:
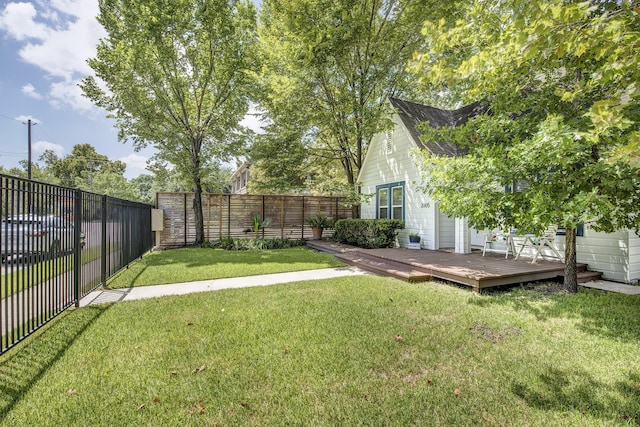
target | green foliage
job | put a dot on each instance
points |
(258, 225)
(320, 220)
(561, 83)
(230, 244)
(279, 161)
(78, 168)
(367, 233)
(329, 68)
(178, 75)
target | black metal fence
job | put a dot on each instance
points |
(58, 244)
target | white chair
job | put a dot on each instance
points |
(538, 243)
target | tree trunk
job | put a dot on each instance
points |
(197, 211)
(570, 269)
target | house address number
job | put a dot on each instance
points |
(426, 205)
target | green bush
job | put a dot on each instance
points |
(231, 244)
(367, 233)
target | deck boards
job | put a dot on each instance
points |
(467, 269)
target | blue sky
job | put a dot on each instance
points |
(44, 45)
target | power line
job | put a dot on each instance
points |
(9, 118)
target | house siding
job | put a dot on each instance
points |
(447, 229)
(616, 255)
(634, 257)
(605, 252)
(397, 165)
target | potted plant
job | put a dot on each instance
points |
(414, 238)
(319, 222)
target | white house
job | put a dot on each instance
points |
(240, 179)
(390, 173)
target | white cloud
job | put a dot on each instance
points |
(31, 91)
(59, 36)
(24, 119)
(136, 164)
(18, 20)
(69, 93)
(42, 146)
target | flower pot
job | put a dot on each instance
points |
(414, 239)
(317, 233)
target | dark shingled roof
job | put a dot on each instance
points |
(413, 114)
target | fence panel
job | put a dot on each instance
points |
(233, 215)
(59, 244)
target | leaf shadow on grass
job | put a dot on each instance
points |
(211, 257)
(575, 389)
(25, 364)
(597, 312)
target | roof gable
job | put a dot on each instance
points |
(413, 114)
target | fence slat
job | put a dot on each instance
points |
(235, 212)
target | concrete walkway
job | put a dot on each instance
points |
(143, 292)
(605, 285)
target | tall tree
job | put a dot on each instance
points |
(83, 162)
(178, 75)
(331, 64)
(561, 80)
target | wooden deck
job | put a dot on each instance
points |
(467, 269)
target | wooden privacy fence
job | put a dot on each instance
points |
(231, 214)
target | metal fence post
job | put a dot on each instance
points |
(262, 216)
(103, 261)
(77, 250)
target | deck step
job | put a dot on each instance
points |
(588, 276)
(383, 266)
(585, 276)
(329, 246)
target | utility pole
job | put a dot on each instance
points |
(30, 194)
(29, 125)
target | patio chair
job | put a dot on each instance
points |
(538, 243)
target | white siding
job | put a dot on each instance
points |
(477, 238)
(447, 229)
(634, 257)
(616, 255)
(605, 252)
(384, 166)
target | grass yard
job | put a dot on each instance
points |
(37, 270)
(193, 264)
(361, 350)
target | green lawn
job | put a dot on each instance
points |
(363, 350)
(188, 265)
(34, 271)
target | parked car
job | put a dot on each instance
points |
(36, 234)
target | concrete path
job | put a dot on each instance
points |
(605, 285)
(143, 292)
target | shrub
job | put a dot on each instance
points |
(367, 233)
(320, 220)
(231, 244)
